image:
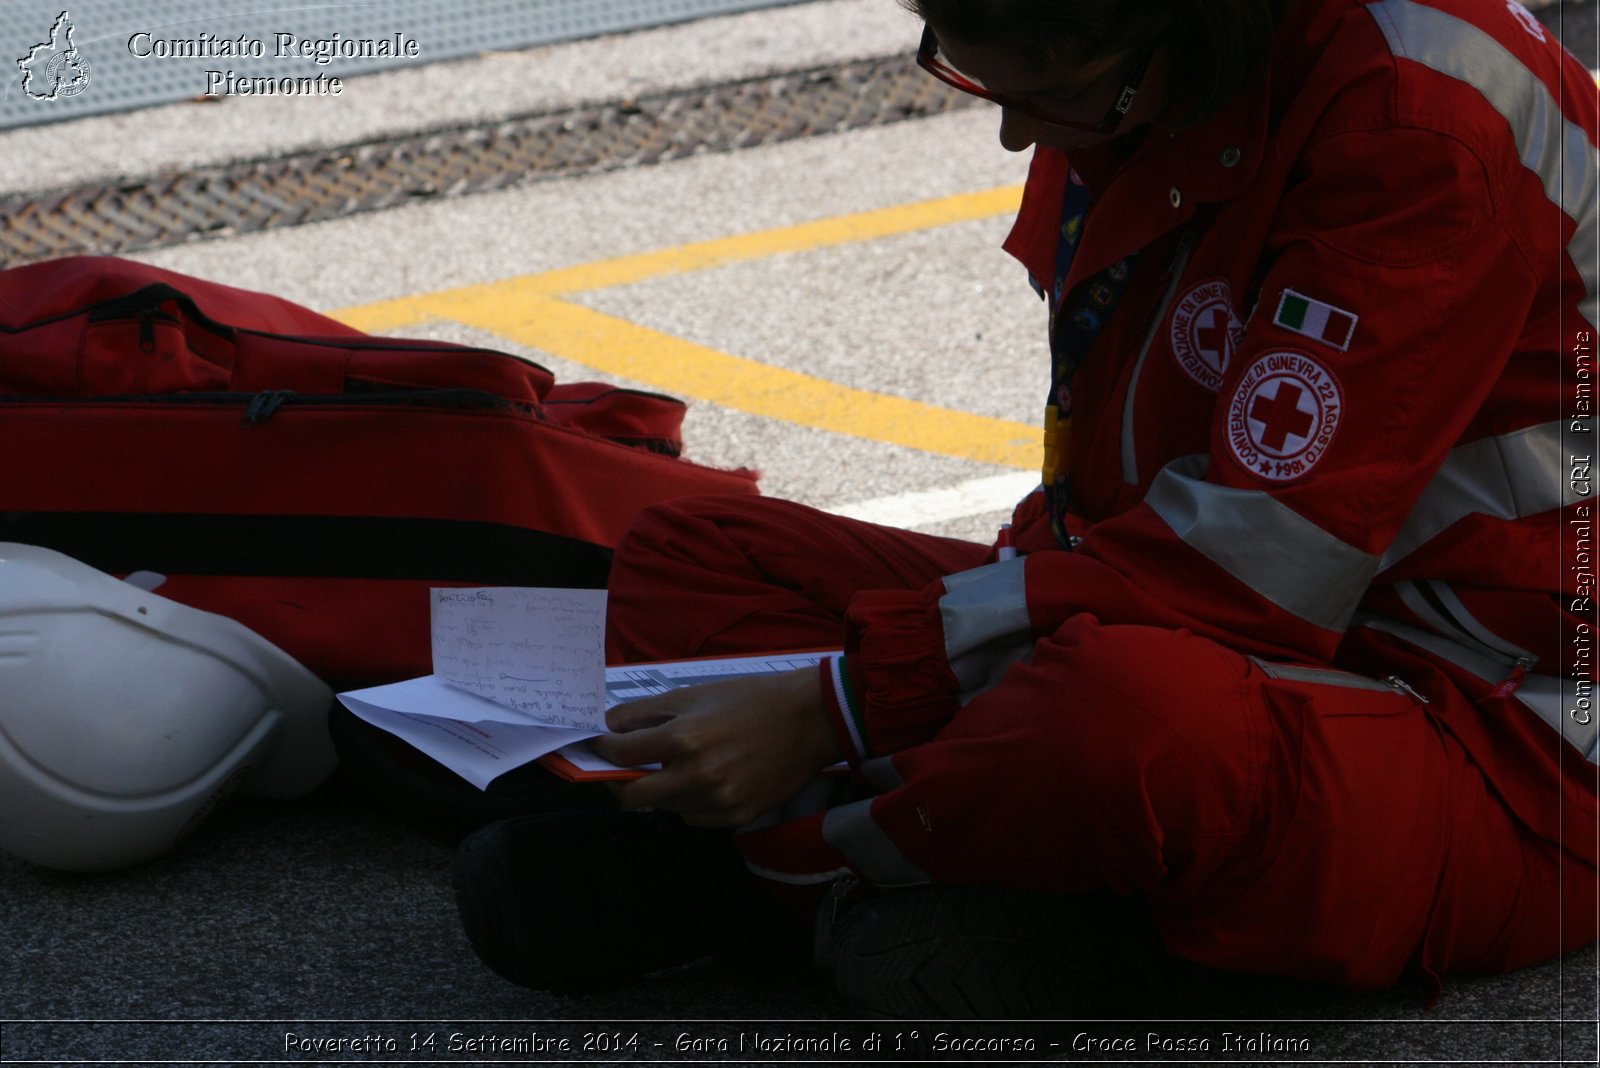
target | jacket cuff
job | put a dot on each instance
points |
(843, 705)
(895, 643)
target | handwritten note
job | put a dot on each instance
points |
(539, 651)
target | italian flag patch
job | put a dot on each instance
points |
(1315, 319)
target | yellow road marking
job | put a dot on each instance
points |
(528, 310)
(822, 233)
(672, 364)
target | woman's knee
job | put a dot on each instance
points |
(1141, 749)
(1152, 710)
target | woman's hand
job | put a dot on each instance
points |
(729, 751)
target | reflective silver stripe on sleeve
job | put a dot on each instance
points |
(1265, 544)
(1554, 700)
(852, 831)
(1555, 149)
(985, 616)
(1511, 476)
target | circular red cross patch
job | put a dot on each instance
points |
(1283, 415)
(1205, 331)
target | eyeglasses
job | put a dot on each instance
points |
(931, 60)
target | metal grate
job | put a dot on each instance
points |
(330, 183)
(116, 41)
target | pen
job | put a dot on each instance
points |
(1008, 551)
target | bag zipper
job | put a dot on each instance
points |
(144, 305)
(264, 405)
(261, 406)
(390, 345)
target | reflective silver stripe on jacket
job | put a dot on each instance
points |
(1265, 544)
(1437, 605)
(985, 616)
(1511, 476)
(852, 831)
(1558, 702)
(1555, 149)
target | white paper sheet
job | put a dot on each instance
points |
(481, 738)
(538, 651)
(479, 751)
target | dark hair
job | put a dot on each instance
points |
(1217, 47)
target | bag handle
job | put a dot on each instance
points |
(149, 300)
(131, 344)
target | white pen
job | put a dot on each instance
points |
(1008, 551)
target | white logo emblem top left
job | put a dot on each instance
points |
(55, 69)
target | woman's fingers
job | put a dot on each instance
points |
(729, 751)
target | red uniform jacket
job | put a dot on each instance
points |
(1343, 413)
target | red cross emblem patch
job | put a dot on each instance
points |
(1205, 332)
(1283, 415)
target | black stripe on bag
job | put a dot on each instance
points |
(435, 550)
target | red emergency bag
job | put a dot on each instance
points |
(300, 476)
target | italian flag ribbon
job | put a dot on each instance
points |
(1316, 319)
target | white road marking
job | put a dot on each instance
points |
(976, 496)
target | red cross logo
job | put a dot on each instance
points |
(1204, 332)
(1281, 416)
(1212, 332)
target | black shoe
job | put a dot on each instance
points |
(576, 901)
(990, 953)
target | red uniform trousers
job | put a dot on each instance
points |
(1318, 828)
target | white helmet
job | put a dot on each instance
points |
(125, 717)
